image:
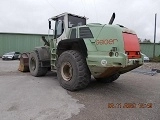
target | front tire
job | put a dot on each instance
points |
(72, 71)
(35, 65)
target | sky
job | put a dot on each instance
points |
(31, 16)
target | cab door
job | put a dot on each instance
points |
(60, 33)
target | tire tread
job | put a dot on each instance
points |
(41, 71)
(83, 77)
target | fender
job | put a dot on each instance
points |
(76, 44)
(44, 55)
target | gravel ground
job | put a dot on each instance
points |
(150, 65)
(130, 88)
(24, 97)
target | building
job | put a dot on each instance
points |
(25, 42)
(147, 49)
(21, 42)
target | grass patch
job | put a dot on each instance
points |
(155, 59)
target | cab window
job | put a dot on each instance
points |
(74, 21)
(59, 27)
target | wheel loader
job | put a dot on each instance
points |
(77, 50)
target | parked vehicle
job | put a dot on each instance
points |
(146, 59)
(11, 56)
(78, 50)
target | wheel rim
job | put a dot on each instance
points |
(66, 71)
(33, 64)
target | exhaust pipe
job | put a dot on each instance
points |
(112, 19)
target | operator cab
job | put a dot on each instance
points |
(63, 23)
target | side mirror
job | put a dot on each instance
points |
(49, 24)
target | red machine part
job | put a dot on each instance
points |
(131, 45)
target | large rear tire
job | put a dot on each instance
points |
(35, 65)
(108, 79)
(72, 71)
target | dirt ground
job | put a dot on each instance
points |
(133, 96)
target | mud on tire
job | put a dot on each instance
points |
(35, 65)
(72, 71)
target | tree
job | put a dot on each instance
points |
(146, 41)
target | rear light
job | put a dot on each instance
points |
(116, 54)
(111, 54)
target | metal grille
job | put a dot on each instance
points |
(85, 32)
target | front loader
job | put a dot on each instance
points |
(78, 50)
